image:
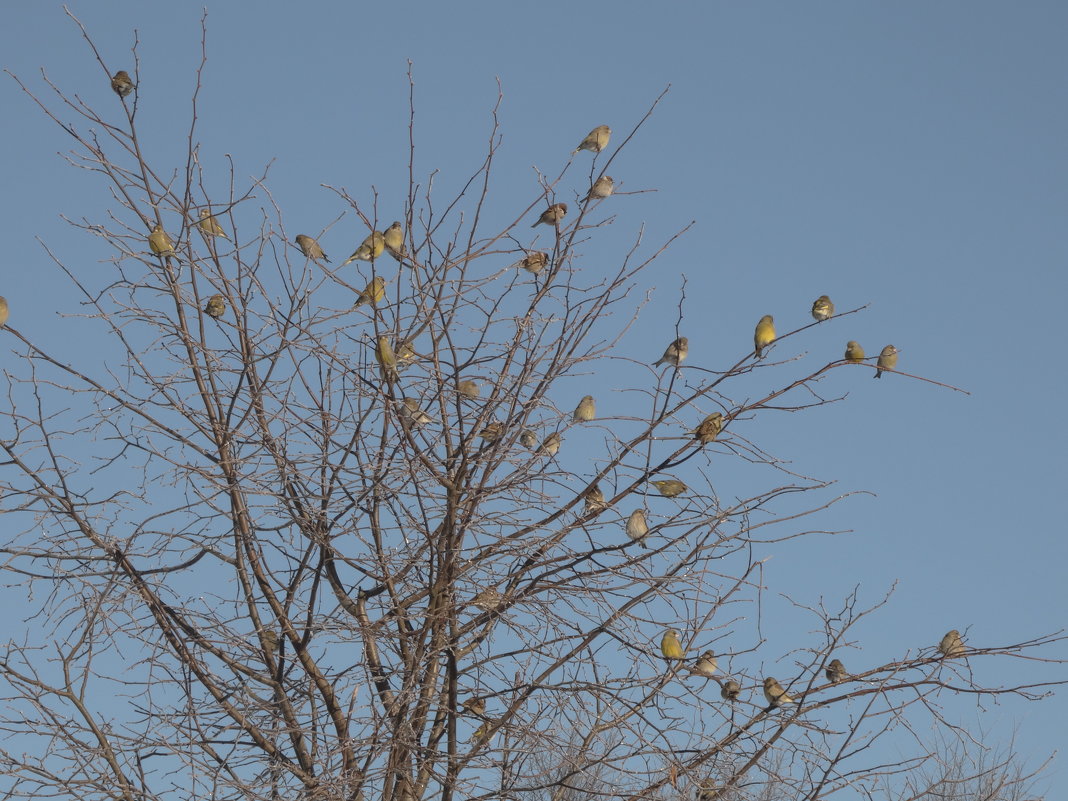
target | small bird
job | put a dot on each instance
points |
(528, 439)
(159, 242)
(730, 690)
(669, 488)
(551, 444)
(369, 250)
(552, 215)
(373, 292)
(887, 360)
(595, 141)
(493, 431)
(209, 226)
(216, 307)
(836, 672)
(121, 83)
(765, 333)
(775, 694)
(708, 790)
(405, 352)
(4, 311)
(475, 705)
(638, 527)
(482, 732)
(706, 665)
(534, 261)
(675, 353)
(270, 640)
(709, 428)
(822, 308)
(488, 600)
(309, 246)
(951, 644)
(854, 352)
(411, 412)
(394, 239)
(585, 411)
(670, 646)
(603, 187)
(386, 359)
(468, 388)
(594, 499)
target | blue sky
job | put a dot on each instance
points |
(910, 156)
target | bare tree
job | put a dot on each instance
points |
(275, 545)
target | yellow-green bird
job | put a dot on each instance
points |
(468, 388)
(764, 334)
(475, 705)
(534, 262)
(822, 308)
(675, 353)
(836, 672)
(775, 694)
(121, 83)
(3, 311)
(595, 141)
(854, 352)
(585, 411)
(215, 307)
(405, 352)
(638, 527)
(706, 665)
(209, 226)
(386, 359)
(411, 412)
(394, 239)
(594, 499)
(551, 444)
(528, 439)
(371, 248)
(887, 360)
(373, 292)
(670, 646)
(709, 428)
(482, 732)
(493, 431)
(951, 644)
(730, 690)
(670, 487)
(159, 243)
(552, 215)
(603, 187)
(310, 248)
(488, 600)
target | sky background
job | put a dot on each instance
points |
(910, 156)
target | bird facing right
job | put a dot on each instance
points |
(675, 353)
(887, 360)
(585, 411)
(121, 83)
(670, 646)
(951, 644)
(854, 352)
(822, 309)
(552, 215)
(775, 694)
(310, 248)
(595, 141)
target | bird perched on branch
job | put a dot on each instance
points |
(488, 600)
(730, 690)
(836, 672)
(854, 352)
(4, 311)
(534, 261)
(670, 646)
(764, 334)
(675, 353)
(603, 187)
(951, 644)
(669, 487)
(475, 705)
(493, 431)
(822, 309)
(310, 248)
(468, 388)
(887, 360)
(638, 527)
(373, 292)
(709, 428)
(706, 665)
(386, 359)
(394, 240)
(371, 248)
(585, 411)
(159, 243)
(594, 499)
(551, 444)
(121, 83)
(215, 307)
(411, 412)
(775, 694)
(209, 226)
(595, 141)
(552, 215)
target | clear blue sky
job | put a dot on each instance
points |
(911, 156)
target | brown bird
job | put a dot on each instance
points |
(216, 307)
(854, 352)
(534, 261)
(551, 444)
(468, 388)
(411, 412)
(709, 428)
(528, 439)
(836, 672)
(638, 527)
(310, 248)
(488, 600)
(822, 308)
(3, 311)
(159, 242)
(951, 644)
(594, 499)
(595, 141)
(493, 431)
(475, 705)
(887, 360)
(552, 215)
(675, 353)
(603, 187)
(764, 334)
(706, 665)
(121, 83)
(775, 694)
(730, 690)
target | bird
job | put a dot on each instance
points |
(373, 292)
(669, 488)
(4, 311)
(159, 242)
(121, 83)
(951, 644)
(675, 353)
(709, 428)
(708, 790)
(585, 411)
(468, 388)
(730, 690)
(552, 215)
(534, 261)
(775, 694)
(405, 352)
(836, 672)
(488, 600)
(551, 444)
(209, 226)
(854, 352)
(369, 250)
(822, 308)
(602, 188)
(482, 732)
(638, 527)
(216, 307)
(594, 499)
(475, 705)
(310, 248)
(394, 239)
(270, 640)
(411, 412)
(528, 439)
(765, 333)
(595, 141)
(887, 360)
(493, 431)
(386, 359)
(706, 665)
(670, 646)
